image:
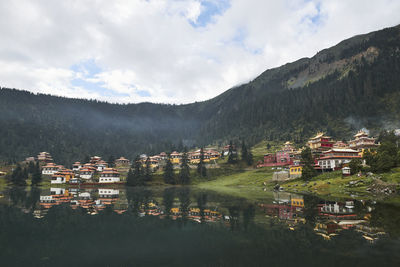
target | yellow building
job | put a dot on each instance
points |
(295, 171)
(176, 157)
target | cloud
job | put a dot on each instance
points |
(173, 51)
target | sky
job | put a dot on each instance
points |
(168, 51)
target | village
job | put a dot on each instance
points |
(328, 155)
(98, 171)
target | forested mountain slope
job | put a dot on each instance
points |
(351, 85)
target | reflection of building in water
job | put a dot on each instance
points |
(195, 214)
(287, 207)
(337, 209)
(108, 196)
(336, 216)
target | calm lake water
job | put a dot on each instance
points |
(182, 226)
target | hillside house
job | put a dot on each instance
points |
(76, 166)
(109, 175)
(86, 172)
(62, 177)
(122, 162)
(295, 171)
(100, 165)
(51, 169)
(176, 157)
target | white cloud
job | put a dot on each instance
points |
(153, 47)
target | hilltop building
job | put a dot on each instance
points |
(44, 157)
(122, 162)
(362, 141)
(320, 142)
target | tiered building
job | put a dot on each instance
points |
(44, 157)
(362, 141)
(122, 162)
(320, 142)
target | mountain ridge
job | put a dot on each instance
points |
(353, 81)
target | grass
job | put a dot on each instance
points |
(247, 184)
(332, 184)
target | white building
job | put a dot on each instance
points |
(109, 175)
(50, 169)
(76, 166)
(86, 173)
(334, 158)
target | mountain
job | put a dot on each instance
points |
(352, 85)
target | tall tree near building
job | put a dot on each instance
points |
(138, 172)
(36, 175)
(232, 154)
(355, 166)
(307, 161)
(184, 174)
(111, 161)
(18, 176)
(249, 159)
(130, 178)
(148, 172)
(244, 151)
(201, 168)
(169, 177)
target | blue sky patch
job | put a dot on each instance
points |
(209, 9)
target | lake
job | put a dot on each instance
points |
(185, 226)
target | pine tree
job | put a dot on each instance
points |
(307, 161)
(148, 172)
(138, 172)
(169, 171)
(36, 175)
(31, 167)
(130, 178)
(19, 176)
(201, 168)
(111, 161)
(249, 159)
(244, 151)
(184, 174)
(355, 166)
(232, 155)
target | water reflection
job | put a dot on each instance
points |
(328, 218)
(208, 223)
